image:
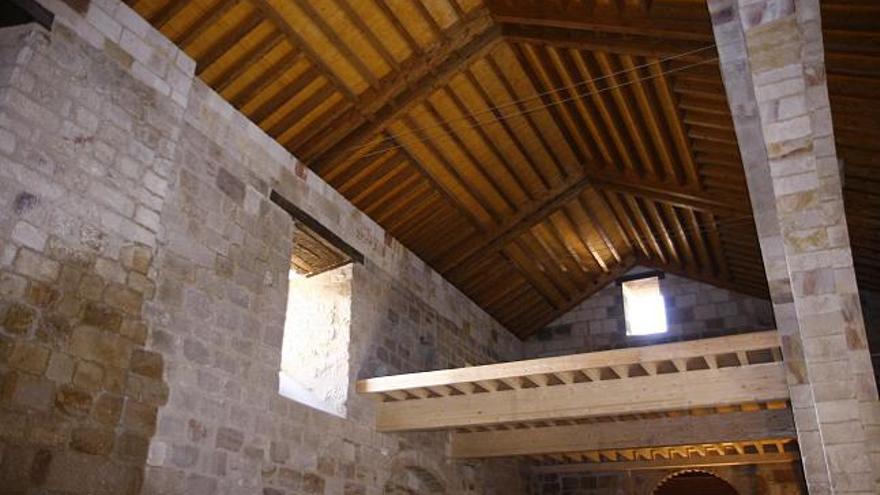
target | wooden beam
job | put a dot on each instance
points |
(500, 236)
(661, 352)
(201, 24)
(478, 128)
(654, 432)
(663, 231)
(316, 19)
(253, 88)
(639, 45)
(669, 106)
(607, 179)
(230, 38)
(37, 12)
(526, 114)
(614, 85)
(470, 39)
(588, 77)
(658, 393)
(553, 100)
(579, 16)
(166, 13)
(247, 60)
(673, 463)
(656, 126)
(697, 233)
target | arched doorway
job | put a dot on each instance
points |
(412, 480)
(694, 483)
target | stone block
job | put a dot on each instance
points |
(200, 485)
(29, 236)
(88, 376)
(108, 409)
(60, 369)
(100, 346)
(139, 417)
(195, 351)
(31, 391)
(137, 258)
(73, 401)
(124, 299)
(102, 316)
(41, 295)
(29, 356)
(132, 446)
(231, 185)
(229, 439)
(313, 484)
(94, 441)
(184, 456)
(147, 363)
(279, 451)
(18, 318)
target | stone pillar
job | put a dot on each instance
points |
(772, 61)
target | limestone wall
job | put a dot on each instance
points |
(143, 275)
(85, 161)
(693, 310)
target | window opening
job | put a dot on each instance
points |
(315, 348)
(644, 307)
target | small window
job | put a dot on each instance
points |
(315, 348)
(314, 354)
(644, 307)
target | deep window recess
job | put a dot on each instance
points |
(315, 349)
(644, 307)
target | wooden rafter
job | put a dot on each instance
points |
(558, 140)
(579, 16)
(473, 38)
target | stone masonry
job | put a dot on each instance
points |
(694, 310)
(772, 61)
(143, 276)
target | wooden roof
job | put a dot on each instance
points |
(529, 150)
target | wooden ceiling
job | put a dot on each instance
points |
(531, 151)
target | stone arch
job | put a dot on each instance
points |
(412, 474)
(677, 474)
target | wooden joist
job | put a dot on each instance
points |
(584, 385)
(681, 430)
(674, 463)
(704, 388)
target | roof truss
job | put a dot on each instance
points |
(557, 143)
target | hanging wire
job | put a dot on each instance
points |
(443, 135)
(539, 95)
(653, 235)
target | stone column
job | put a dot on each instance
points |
(772, 61)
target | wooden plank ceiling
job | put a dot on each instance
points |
(529, 150)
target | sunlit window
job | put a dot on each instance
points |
(644, 307)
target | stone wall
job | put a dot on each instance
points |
(764, 479)
(694, 310)
(84, 163)
(143, 277)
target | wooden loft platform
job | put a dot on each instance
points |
(736, 373)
